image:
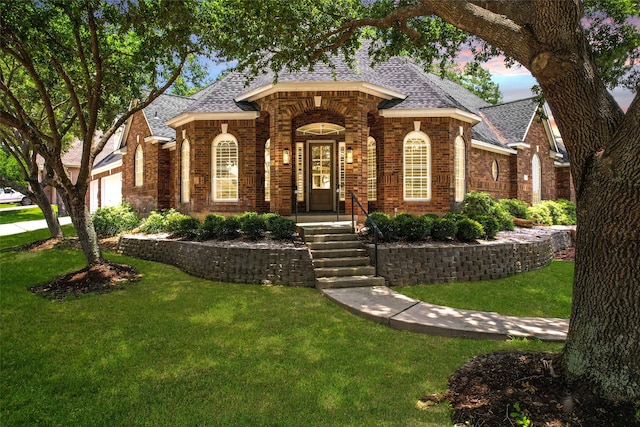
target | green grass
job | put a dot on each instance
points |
(540, 293)
(174, 350)
(9, 205)
(20, 215)
(15, 240)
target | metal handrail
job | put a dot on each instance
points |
(371, 221)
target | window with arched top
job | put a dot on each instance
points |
(417, 166)
(185, 172)
(225, 168)
(372, 168)
(138, 167)
(267, 171)
(459, 169)
(536, 180)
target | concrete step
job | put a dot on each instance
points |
(319, 246)
(338, 253)
(341, 262)
(324, 229)
(317, 238)
(361, 270)
(348, 282)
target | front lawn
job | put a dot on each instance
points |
(174, 350)
(541, 293)
(19, 215)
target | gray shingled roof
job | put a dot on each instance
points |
(161, 110)
(502, 124)
(511, 119)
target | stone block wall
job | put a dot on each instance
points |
(441, 263)
(289, 266)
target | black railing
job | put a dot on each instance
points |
(377, 233)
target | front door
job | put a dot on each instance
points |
(321, 176)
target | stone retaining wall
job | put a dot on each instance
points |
(225, 262)
(437, 263)
(398, 264)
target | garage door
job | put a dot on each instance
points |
(111, 190)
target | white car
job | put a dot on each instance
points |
(9, 195)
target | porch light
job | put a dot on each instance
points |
(286, 157)
(350, 155)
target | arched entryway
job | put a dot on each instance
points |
(320, 157)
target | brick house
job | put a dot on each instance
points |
(401, 139)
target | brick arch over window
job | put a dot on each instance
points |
(417, 166)
(224, 151)
(138, 167)
(185, 172)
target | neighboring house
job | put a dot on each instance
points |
(401, 139)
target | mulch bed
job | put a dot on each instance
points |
(95, 279)
(485, 390)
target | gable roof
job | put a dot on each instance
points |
(512, 119)
(161, 110)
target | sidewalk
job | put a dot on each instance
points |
(23, 227)
(383, 305)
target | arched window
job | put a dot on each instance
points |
(138, 167)
(372, 168)
(267, 171)
(225, 168)
(417, 166)
(536, 180)
(185, 172)
(459, 169)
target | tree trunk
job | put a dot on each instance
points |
(87, 236)
(603, 344)
(49, 214)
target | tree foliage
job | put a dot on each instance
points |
(72, 68)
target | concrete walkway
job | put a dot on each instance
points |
(24, 226)
(383, 305)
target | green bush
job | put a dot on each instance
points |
(185, 226)
(475, 204)
(455, 216)
(252, 225)
(444, 229)
(489, 225)
(540, 214)
(569, 209)
(173, 220)
(504, 218)
(268, 218)
(210, 227)
(113, 220)
(229, 229)
(154, 223)
(282, 228)
(469, 230)
(517, 208)
(431, 216)
(411, 227)
(386, 225)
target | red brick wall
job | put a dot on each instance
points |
(480, 177)
(538, 140)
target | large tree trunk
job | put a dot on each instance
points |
(81, 218)
(49, 214)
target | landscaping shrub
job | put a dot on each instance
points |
(517, 208)
(444, 229)
(455, 216)
(113, 220)
(210, 227)
(173, 220)
(386, 225)
(489, 225)
(540, 214)
(185, 226)
(475, 204)
(268, 218)
(229, 229)
(431, 216)
(469, 230)
(282, 228)
(411, 227)
(154, 223)
(569, 209)
(252, 225)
